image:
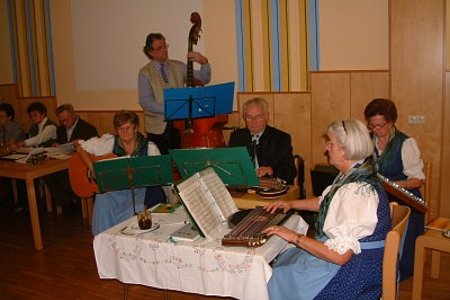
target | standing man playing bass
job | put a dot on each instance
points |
(160, 73)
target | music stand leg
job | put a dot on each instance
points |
(125, 291)
(133, 199)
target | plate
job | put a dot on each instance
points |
(446, 233)
(134, 229)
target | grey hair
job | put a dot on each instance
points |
(256, 101)
(352, 136)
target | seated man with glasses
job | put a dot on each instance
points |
(398, 159)
(269, 148)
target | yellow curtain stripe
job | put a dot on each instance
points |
(266, 51)
(22, 50)
(43, 78)
(248, 45)
(303, 38)
(284, 49)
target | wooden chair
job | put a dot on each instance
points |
(87, 207)
(399, 217)
(299, 180)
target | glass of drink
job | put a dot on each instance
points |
(144, 219)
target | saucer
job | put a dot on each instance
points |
(134, 229)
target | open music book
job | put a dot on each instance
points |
(208, 203)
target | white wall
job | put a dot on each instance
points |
(98, 45)
(109, 36)
(353, 34)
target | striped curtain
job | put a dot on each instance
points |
(272, 45)
(30, 29)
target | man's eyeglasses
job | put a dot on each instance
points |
(162, 47)
(259, 117)
(377, 127)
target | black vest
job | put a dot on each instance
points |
(34, 130)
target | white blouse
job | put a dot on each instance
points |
(351, 216)
(103, 145)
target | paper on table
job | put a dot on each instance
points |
(440, 224)
(14, 156)
(179, 216)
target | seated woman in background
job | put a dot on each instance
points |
(344, 260)
(398, 159)
(113, 207)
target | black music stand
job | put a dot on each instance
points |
(198, 102)
(131, 172)
(233, 165)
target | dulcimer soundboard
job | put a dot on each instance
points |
(403, 194)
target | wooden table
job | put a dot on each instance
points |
(250, 200)
(29, 173)
(435, 241)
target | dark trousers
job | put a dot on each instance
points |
(5, 190)
(416, 224)
(22, 193)
(59, 186)
(169, 139)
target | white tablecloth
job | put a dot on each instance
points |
(204, 267)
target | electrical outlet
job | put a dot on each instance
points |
(416, 119)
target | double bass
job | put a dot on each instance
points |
(201, 132)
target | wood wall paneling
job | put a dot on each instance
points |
(417, 76)
(24, 102)
(445, 166)
(330, 100)
(9, 94)
(292, 114)
(366, 86)
(233, 120)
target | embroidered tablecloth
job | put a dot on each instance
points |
(204, 267)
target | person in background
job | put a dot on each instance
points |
(42, 132)
(160, 73)
(398, 159)
(71, 128)
(10, 132)
(269, 148)
(113, 207)
(344, 259)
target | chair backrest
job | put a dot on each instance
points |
(425, 190)
(399, 217)
(300, 177)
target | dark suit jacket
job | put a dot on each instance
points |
(273, 150)
(82, 131)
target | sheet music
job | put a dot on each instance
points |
(204, 198)
(219, 193)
